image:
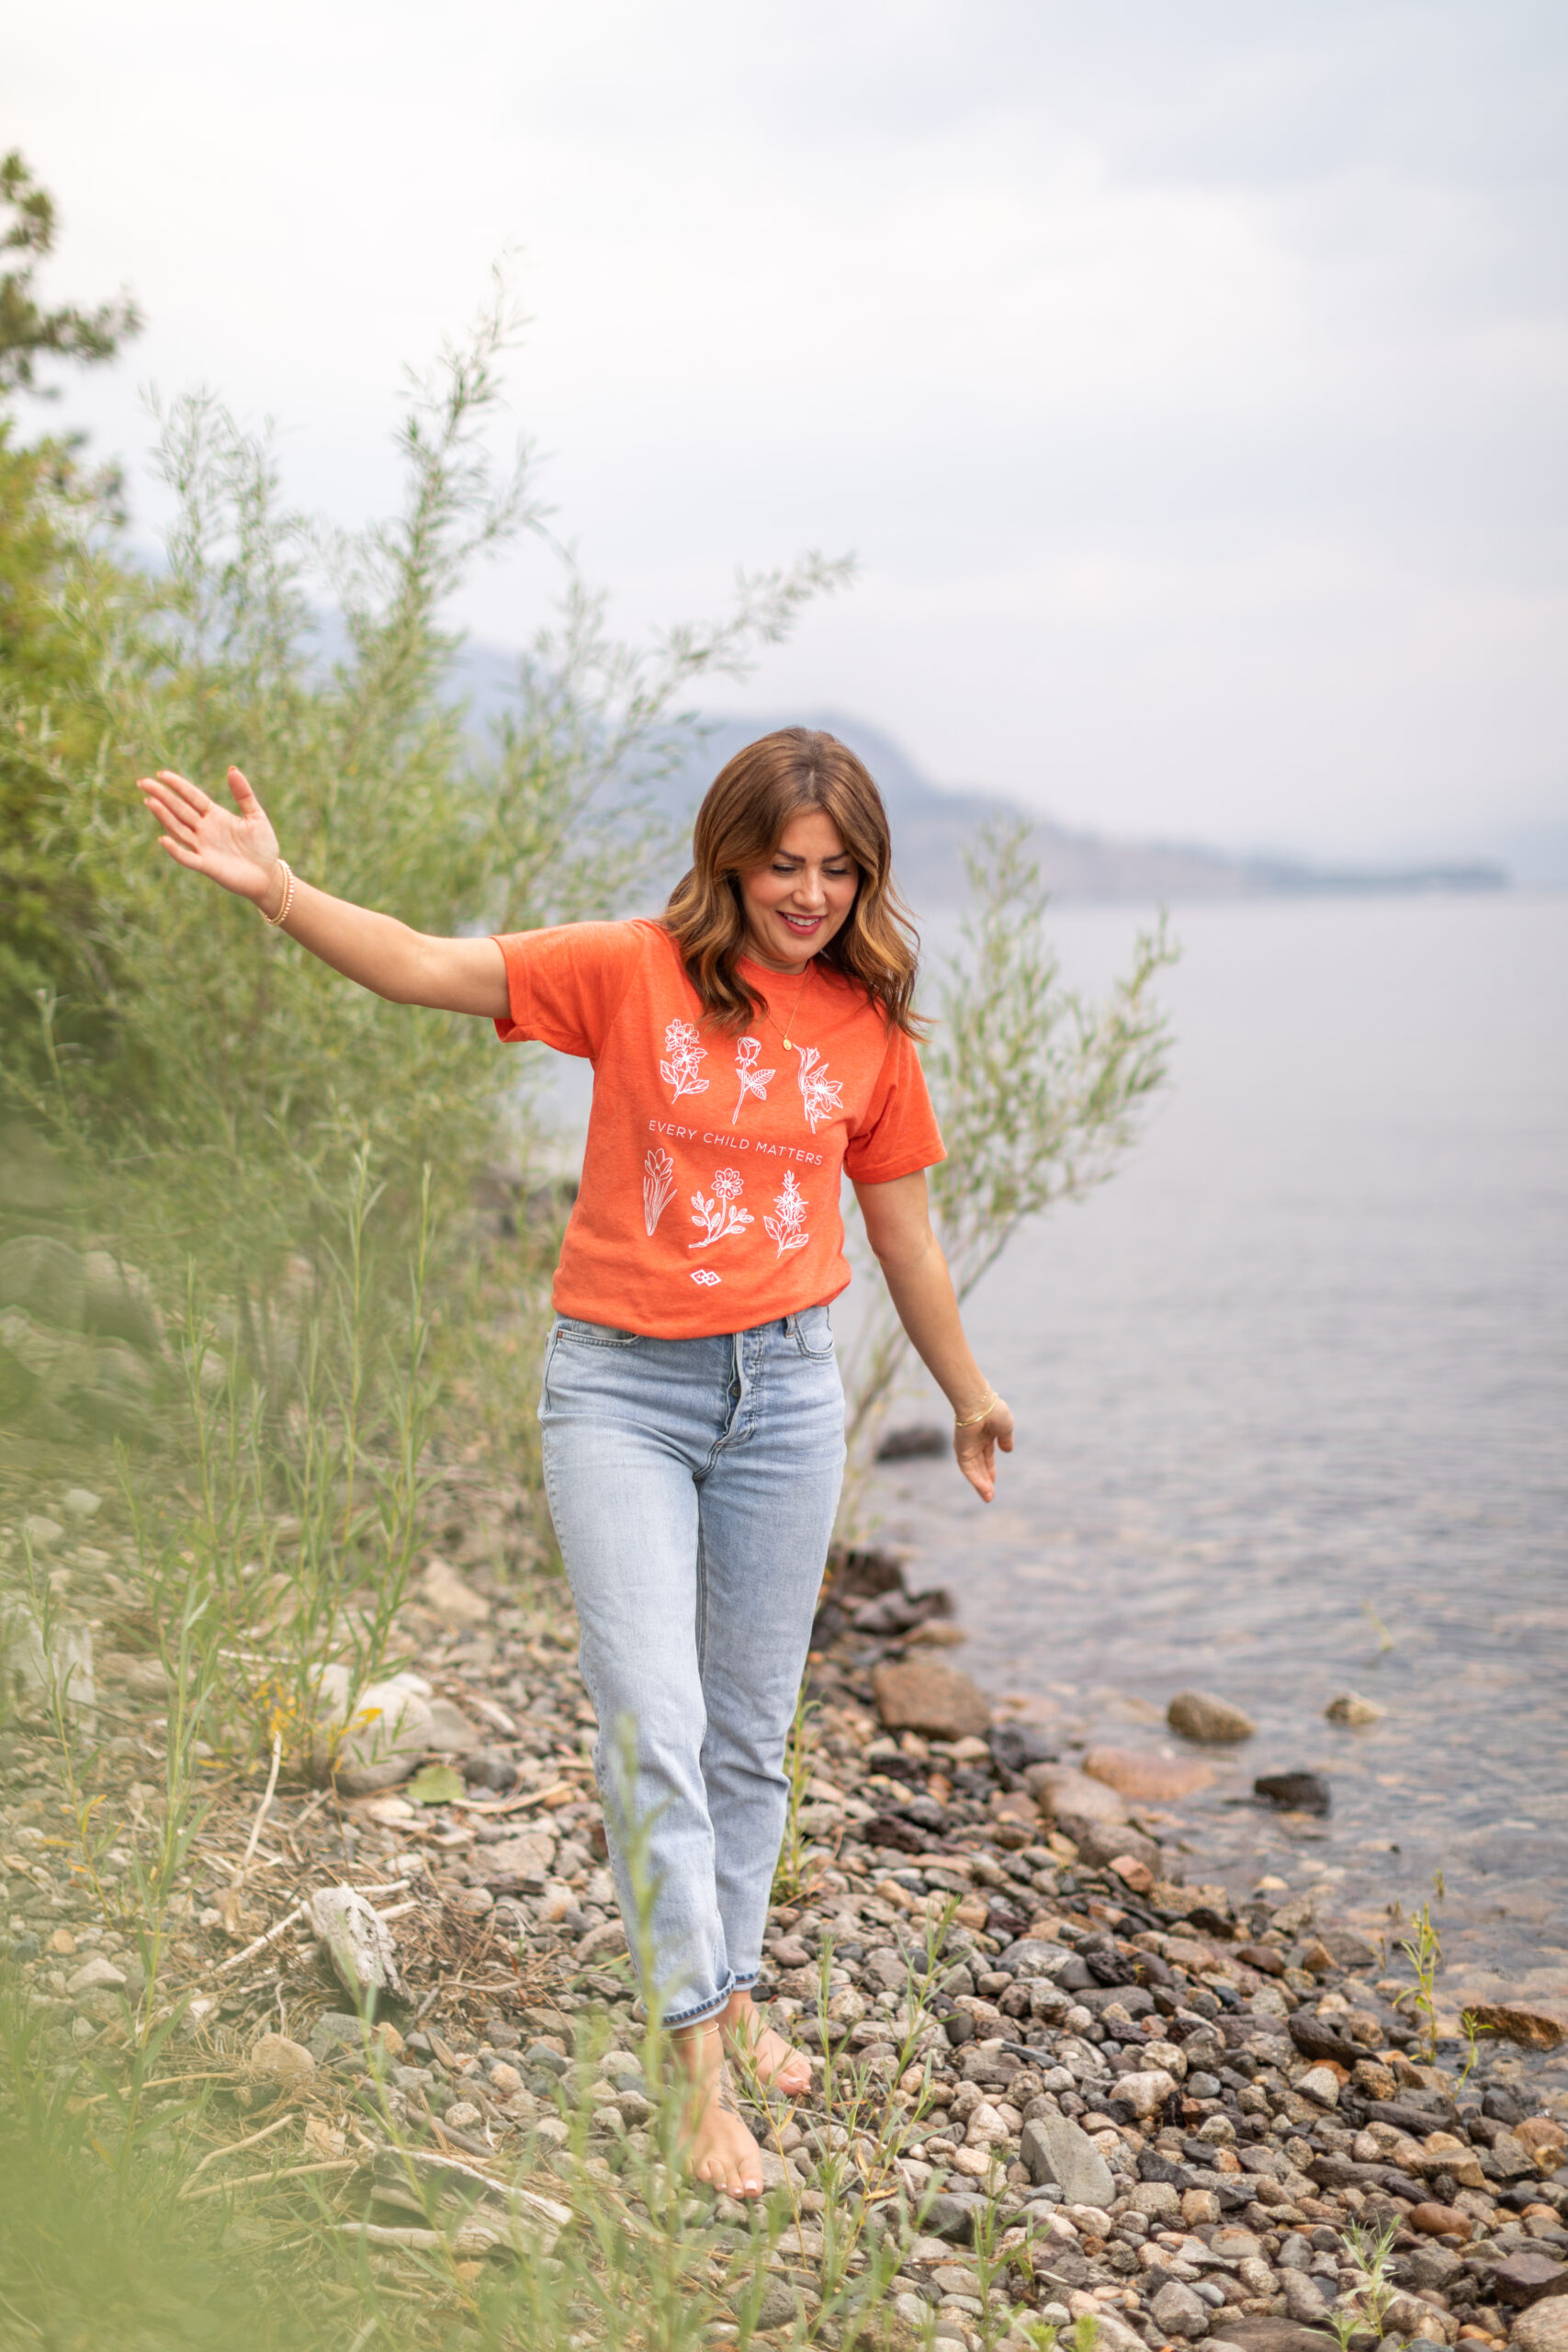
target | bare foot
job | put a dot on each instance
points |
(719, 2150)
(758, 2048)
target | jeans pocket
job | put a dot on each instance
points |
(593, 1335)
(814, 1332)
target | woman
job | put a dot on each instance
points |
(749, 1047)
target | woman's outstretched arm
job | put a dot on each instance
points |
(898, 1227)
(238, 849)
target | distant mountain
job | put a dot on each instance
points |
(933, 828)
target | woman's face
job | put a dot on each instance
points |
(795, 903)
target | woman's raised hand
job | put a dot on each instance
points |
(235, 847)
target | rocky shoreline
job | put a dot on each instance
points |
(1122, 2092)
(1213, 2100)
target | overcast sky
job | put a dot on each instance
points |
(1188, 380)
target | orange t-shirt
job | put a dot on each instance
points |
(709, 1200)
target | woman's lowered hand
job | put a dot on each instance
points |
(975, 1448)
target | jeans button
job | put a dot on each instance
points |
(735, 1388)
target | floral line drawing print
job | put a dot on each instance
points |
(679, 1072)
(753, 1079)
(819, 1093)
(722, 1215)
(658, 1184)
(705, 1274)
(788, 1228)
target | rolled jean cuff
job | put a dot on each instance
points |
(701, 2012)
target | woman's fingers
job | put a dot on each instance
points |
(179, 852)
(181, 788)
(976, 1462)
(977, 1449)
(167, 811)
(245, 800)
(174, 808)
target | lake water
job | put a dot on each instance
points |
(1293, 1404)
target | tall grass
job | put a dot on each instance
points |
(210, 1087)
(121, 2233)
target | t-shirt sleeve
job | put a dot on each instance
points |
(899, 1132)
(564, 985)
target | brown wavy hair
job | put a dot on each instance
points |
(743, 818)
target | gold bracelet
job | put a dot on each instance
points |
(281, 916)
(992, 1400)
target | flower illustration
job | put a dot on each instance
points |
(722, 1215)
(788, 1228)
(705, 1274)
(819, 1092)
(753, 1079)
(658, 1184)
(679, 1072)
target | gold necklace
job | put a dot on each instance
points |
(795, 1008)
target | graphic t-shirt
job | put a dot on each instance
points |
(709, 1200)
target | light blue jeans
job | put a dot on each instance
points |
(693, 1484)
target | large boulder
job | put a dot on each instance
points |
(926, 1695)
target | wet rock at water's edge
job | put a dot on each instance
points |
(1351, 1708)
(922, 1441)
(1294, 1791)
(1198, 1714)
(1059, 1789)
(1148, 1780)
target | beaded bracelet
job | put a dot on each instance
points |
(281, 916)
